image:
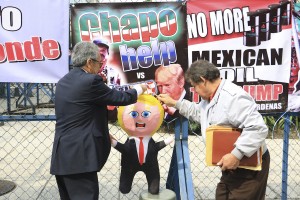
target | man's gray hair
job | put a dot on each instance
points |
(83, 51)
(202, 68)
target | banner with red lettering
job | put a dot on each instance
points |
(249, 41)
(34, 42)
(141, 37)
(147, 43)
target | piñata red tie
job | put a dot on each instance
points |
(141, 151)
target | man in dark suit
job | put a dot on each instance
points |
(82, 142)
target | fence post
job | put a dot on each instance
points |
(285, 156)
(180, 176)
(173, 179)
(180, 161)
(8, 98)
(187, 162)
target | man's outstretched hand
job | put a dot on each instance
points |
(166, 99)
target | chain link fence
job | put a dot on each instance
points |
(27, 131)
(27, 125)
(205, 178)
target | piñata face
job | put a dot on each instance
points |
(142, 118)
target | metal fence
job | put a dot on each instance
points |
(27, 124)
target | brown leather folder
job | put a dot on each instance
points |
(220, 141)
(223, 143)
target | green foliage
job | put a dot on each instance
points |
(274, 123)
(194, 128)
(276, 126)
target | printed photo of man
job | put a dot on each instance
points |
(170, 80)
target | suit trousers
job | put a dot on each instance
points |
(78, 186)
(244, 184)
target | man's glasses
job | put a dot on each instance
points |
(100, 63)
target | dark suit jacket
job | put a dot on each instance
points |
(129, 158)
(81, 142)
